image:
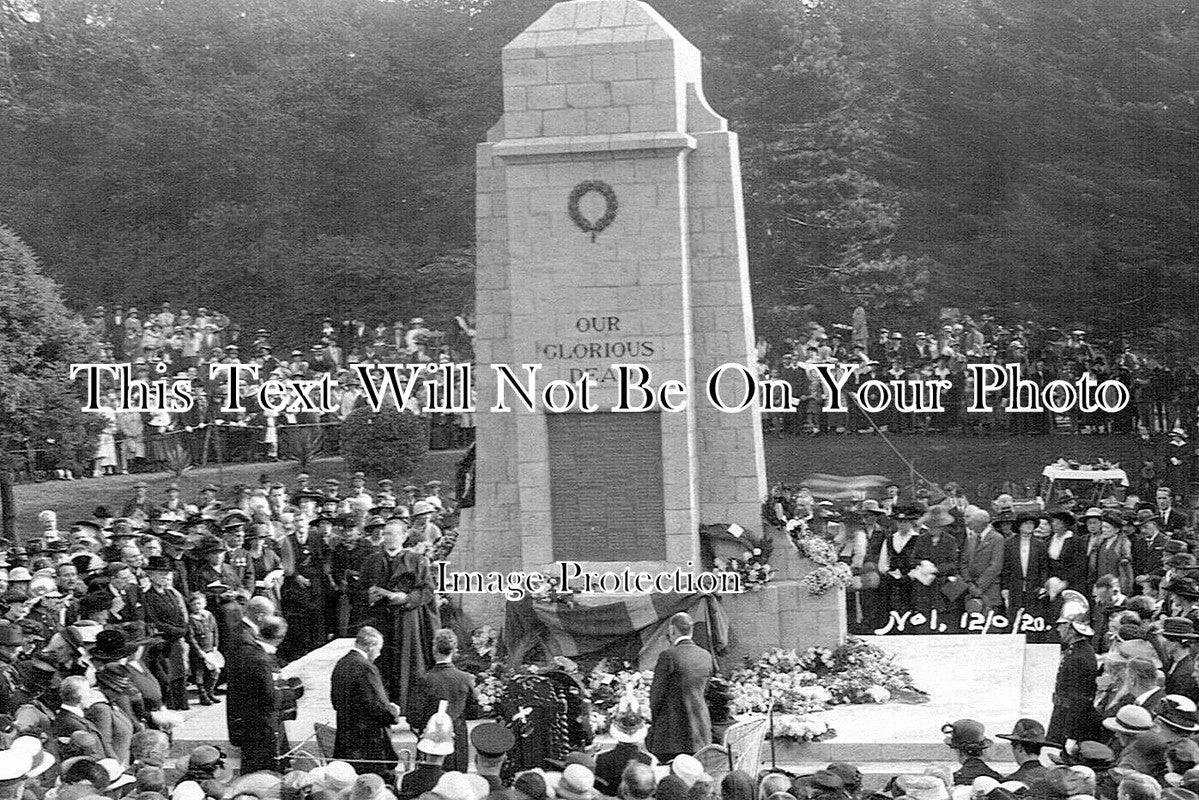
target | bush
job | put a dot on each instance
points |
(386, 443)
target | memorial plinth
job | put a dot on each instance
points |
(610, 230)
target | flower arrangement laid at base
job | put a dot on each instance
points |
(802, 686)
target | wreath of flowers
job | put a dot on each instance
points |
(830, 571)
(610, 207)
(753, 566)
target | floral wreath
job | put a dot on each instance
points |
(610, 207)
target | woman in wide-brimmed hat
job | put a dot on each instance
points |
(936, 557)
(1110, 553)
(1067, 552)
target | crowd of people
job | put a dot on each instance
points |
(1164, 393)
(1008, 557)
(169, 343)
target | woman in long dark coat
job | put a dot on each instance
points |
(404, 608)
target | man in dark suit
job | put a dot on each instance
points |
(364, 714)
(1179, 636)
(982, 562)
(681, 723)
(1172, 519)
(1025, 568)
(444, 681)
(70, 718)
(127, 596)
(255, 705)
(245, 631)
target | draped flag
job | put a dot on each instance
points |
(631, 629)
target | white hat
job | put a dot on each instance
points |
(577, 783)
(688, 768)
(187, 790)
(922, 787)
(117, 776)
(479, 784)
(32, 746)
(14, 765)
(438, 736)
(983, 784)
(453, 786)
(338, 776)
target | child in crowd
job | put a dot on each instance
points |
(206, 660)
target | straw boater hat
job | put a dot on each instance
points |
(1131, 719)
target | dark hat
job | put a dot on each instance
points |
(1181, 562)
(210, 544)
(374, 521)
(1178, 628)
(907, 512)
(1095, 755)
(1183, 587)
(308, 494)
(1029, 516)
(11, 635)
(826, 780)
(492, 739)
(850, 775)
(965, 733)
(1026, 731)
(206, 756)
(112, 645)
(234, 518)
(1060, 513)
(159, 564)
(1005, 516)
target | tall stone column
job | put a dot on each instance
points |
(610, 230)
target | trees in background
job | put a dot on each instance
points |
(290, 159)
(40, 338)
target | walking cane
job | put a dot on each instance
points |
(770, 721)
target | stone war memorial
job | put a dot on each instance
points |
(610, 230)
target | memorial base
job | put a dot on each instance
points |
(782, 614)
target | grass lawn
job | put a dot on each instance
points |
(970, 461)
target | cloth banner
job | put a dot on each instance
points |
(632, 629)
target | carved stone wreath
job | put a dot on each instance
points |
(610, 207)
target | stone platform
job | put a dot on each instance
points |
(994, 679)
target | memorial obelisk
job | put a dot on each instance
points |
(610, 229)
